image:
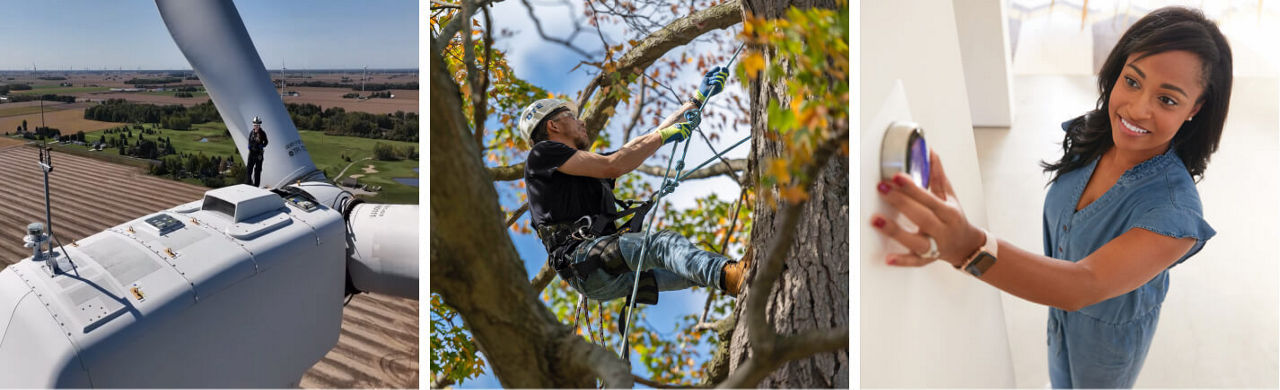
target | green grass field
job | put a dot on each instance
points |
(326, 151)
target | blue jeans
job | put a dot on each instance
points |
(676, 262)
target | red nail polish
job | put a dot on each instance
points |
(878, 222)
(893, 262)
(900, 180)
(883, 188)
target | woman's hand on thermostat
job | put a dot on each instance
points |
(937, 214)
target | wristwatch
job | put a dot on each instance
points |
(982, 259)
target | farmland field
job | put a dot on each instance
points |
(30, 109)
(67, 117)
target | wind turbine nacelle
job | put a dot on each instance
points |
(199, 295)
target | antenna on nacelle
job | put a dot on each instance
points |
(35, 238)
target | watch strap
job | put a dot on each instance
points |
(982, 259)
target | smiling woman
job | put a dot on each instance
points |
(1122, 208)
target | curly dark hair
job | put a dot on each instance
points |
(1165, 29)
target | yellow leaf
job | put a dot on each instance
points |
(778, 169)
(753, 64)
(794, 194)
(608, 111)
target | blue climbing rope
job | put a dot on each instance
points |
(669, 184)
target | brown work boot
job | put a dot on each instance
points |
(735, 274)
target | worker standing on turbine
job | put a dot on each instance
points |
(257, 143)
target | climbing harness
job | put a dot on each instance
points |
(669, 184)
(568, 238)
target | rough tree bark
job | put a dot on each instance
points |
(813, 290)
(482, 278)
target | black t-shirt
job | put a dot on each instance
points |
(556, 197)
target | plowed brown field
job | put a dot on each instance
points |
(378, 346)
(69, 118)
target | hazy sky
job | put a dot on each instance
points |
(57, 34)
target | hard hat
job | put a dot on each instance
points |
(534, 113)
(257, 121)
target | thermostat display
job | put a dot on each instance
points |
(904, 150)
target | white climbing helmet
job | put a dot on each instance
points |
(257, 121)
(538, 110)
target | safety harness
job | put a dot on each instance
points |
(565, 238)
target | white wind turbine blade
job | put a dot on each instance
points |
(213, 38)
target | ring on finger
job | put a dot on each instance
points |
(932, 254)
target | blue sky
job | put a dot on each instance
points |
(323, 34)
(548, 65)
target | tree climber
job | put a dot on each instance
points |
(573, 209)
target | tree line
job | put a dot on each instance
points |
(212, 171)
(399, 126)
(45, 97)
(388, 152)
(172, 116)
(356, 87)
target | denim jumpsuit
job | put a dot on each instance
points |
(1103, 345)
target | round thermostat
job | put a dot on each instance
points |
(904, 150)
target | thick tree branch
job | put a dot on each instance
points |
(524, 343)
(650, 49)
(762, 363)
(769, 350)
(516, 172)
(507, 173)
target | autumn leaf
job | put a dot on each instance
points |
(794, 194)
(753, 64)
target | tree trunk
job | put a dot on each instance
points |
(813, 290)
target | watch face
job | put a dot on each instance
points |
(981, 264)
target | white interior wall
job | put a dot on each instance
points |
(982, 28)
(931, 327)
